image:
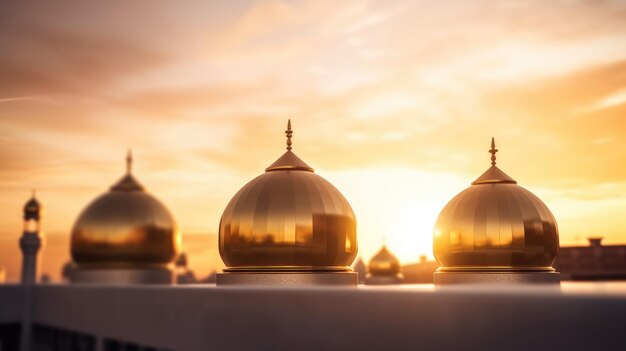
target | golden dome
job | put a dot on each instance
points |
(495, 225)
(288, 218)
(384, 263)
(125, 226)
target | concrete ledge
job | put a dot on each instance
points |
(383, 280)
(451, 278)
(288, 279)
(122, 276)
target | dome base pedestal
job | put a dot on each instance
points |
(383, 280)
(287, 278)
(122, 276)
(503, 278)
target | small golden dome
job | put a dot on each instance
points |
(125, 226)
(495, 225)
(384, 263)
(33, 209)
(288, 218)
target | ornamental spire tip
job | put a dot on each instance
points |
(289, 133)
(493, 151)
(129, 161)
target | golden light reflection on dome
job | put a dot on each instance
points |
(495, 225)
(288, 218)
(125, 226)
(384, 263)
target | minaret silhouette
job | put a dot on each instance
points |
(30, 242)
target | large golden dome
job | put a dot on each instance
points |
(125, 226)
(288, 219)
(384, 263)
(495, 225)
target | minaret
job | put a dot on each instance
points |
(31, 239)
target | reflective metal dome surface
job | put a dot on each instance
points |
(288, 219)
(384, 263)
(125, 227)
(495, 225)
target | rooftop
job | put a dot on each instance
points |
(576, 316)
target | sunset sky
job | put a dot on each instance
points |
(394, 102)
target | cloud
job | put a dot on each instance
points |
(202, 93)
(561, 130)
(49, 62)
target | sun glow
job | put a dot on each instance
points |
(400, 213)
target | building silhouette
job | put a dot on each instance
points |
(592, 262)
(31, 240)
(384, 269)
(360, 269)
(420, 272)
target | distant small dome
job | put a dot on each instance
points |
(125, 226)
(181, 260)
(384, 263)
(288, 218)
(359, 266)
(495, 225)
(32, 209)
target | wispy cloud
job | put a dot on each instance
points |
(18, 98)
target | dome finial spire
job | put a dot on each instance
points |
(33, 192)
(289, 160)
(129, 161)
(493, 151)
(289, 133)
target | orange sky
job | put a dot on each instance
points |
(393, 102)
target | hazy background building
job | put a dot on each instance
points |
(384, 269)
(420, 272)
(592, 262)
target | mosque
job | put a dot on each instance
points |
(384, 269)
(125, 235)
(290, 226)
(290, 237)
(495, 231)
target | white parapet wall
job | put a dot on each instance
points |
(582, 317)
